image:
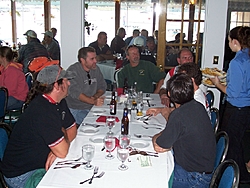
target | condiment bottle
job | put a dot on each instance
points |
(113, 104)
(125, 122)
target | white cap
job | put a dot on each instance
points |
(139, 41)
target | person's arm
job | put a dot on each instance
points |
(96, 99)
(217, 83)
(105, 57)
(154, 111)
(157, 148)
(158, 86)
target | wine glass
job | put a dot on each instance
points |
(88, 151)
(122, 155)
(110, 123)
(109, 145)
(124, 141)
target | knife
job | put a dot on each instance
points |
(93, 125)
(148, 103)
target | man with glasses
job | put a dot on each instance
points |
(87, 87)
(184, 56)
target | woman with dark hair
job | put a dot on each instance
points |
(13, 78)
(190, 134)
(236, 119)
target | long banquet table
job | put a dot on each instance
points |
(108, 69)
(156, 175)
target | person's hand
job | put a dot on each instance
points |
(165, 100)
(215, 80)
(166, 111)
(154, 111)
(50, 159)
(99, 101)
(157, 148)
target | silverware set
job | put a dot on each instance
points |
(93, 176)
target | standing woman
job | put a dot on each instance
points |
(13, 78)
(236, 119)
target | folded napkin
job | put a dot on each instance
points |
(117, 144)
(103, 119)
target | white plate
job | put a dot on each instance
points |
(98, 111)
(98, 139)
(204, 81)
(147, 98)
(139, 144)
(89, 130)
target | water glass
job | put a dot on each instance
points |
(110, 123)
(124, 141)
(122, 155)
(109, 145)
(88, 152)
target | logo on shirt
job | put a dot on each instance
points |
(141, 72)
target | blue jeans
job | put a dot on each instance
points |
(13, 103)
(79, 115)
(185, 179)
(19, 181)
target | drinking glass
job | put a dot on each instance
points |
(122, 155)
(88, 151)
(109, 145)
(124, 141)
(110, 123)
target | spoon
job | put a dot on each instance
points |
(73, 167)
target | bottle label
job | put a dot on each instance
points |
(112, 108)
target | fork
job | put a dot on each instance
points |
(70, 160)
(98, 176)
(140, 136)
(95, 172)
(151, 127)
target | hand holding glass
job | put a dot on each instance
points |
(122, 155)
(109, 145)
(88, 151)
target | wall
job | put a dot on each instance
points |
(214, 36)
(72, 27)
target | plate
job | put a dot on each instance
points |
(89, 130)
(139, 144)
(98, 111)
(212, 72)
(98, 139)
(147, 98)
(207, 82)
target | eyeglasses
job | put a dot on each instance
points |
(89, 78)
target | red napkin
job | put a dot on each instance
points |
(118, 63)
(103, 119)
(116, 144)
(119, 91)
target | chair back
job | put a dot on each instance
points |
(29, 79)
(210, 98)
(226, 175)
(215, 119)
(3, 102)
(222, 142)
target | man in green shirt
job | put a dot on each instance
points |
(143, 72)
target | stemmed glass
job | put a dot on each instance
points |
(88, 152)
(122, 155)
(110, 123)
(109, 145)
(124, 141)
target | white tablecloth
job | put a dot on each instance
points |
(136, 176)
(108, 69)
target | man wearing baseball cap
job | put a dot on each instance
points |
(51, 45)
(31, 50)
(43, 132)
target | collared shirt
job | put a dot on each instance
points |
(100, 50)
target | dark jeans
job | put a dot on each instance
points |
(235, 122)
(185, 179)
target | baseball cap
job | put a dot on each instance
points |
(139, 41)
(48, 33)
(31, 33)
(52, 73)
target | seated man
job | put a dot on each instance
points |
(136, 33)
(43, 132)
(51, 45)
(184, 56)
(88, 86)
(103, 51)
(140, 71)
(118, 45)
(190, 134)
(151, 46)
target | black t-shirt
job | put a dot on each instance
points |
(39, 127)
(190, 132)
(102, 50)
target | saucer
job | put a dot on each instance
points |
(139, 144)
(89, 130)
(98, 139)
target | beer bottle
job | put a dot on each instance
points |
(125, 122)
(113, 104)
(125, 86)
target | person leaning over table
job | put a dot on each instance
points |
(140, 71)
(43, 132)
(87, 87)
(236, 118)
(103, 51)
(192, 70)
(190, 134)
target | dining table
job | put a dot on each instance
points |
(156, 173)
(108, 69)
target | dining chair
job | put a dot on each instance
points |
(226, 175)
(215, 119)
(222, 143)
(210, 98)
(116, 76)
(29, 79)
(3, 102)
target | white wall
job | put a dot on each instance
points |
(72, 30)
(214, 36)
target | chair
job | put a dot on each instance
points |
(3, 102)
(210, 98)
(226, 175)
(215, 118)
(222, 142)
(29, 79)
